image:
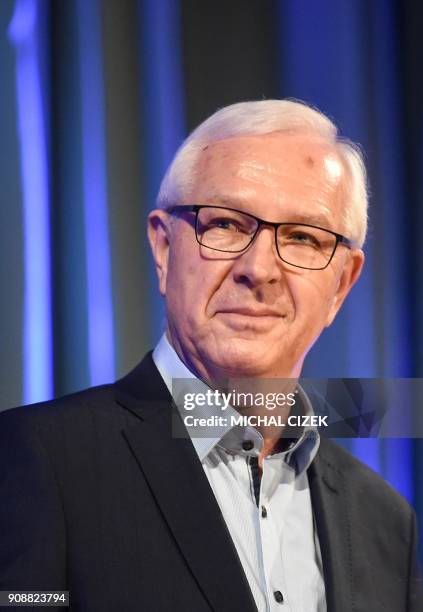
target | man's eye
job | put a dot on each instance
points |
(225, 224)
(303, 238)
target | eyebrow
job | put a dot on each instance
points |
(319, 219)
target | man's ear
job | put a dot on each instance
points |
(348, 277)
(158, 231)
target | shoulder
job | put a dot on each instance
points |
(75, 405)
(28, 432)
(85, 419)
(367, 491)
(95, 402)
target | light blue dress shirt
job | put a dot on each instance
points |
(276, 540)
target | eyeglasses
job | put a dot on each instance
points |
(232, 231)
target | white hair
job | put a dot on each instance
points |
(264, 117)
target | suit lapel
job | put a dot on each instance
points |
(181, 489)
(334, 531)
(348, 577)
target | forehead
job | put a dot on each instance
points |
(282, 169)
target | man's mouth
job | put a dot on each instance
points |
(251, 312)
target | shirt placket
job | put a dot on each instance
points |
(271, 537)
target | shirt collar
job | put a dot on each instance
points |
(300, 454)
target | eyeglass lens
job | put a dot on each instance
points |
(232, 231)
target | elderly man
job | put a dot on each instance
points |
(257, 242)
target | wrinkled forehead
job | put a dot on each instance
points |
(278, 154)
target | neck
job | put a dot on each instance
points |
(259, 395)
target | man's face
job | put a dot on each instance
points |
(250, 314)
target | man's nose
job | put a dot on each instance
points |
(260, 263)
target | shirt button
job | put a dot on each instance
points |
(263, 512)
(247, 445)
(278, 596)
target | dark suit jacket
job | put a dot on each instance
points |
(97, 498)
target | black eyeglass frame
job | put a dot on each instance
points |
(181, 208)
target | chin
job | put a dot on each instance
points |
(240, 359)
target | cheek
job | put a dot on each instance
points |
(193, 289)
(181, 267)
(313, 296)
(180, 284)
(184, 286)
